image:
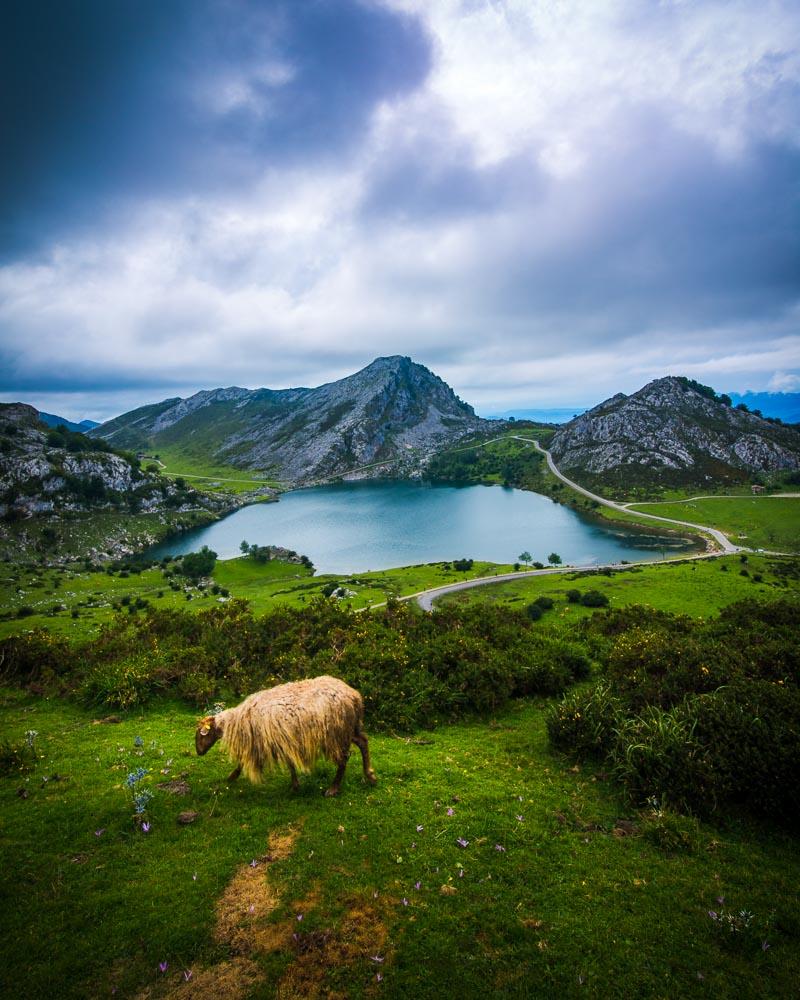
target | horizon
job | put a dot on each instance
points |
(537, 203)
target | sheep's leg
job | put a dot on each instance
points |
(337, 780)
(361, 741)
(235, 773)
(295, 782)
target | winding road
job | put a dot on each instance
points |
(425, 598)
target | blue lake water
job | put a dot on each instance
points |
(353, 527)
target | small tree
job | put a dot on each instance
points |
(197, 564)
(244, 548)
(525, 557)
(554, 559)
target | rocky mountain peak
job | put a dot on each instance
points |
(673, 430)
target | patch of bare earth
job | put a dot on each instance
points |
(360, 935)
(249, 897)
(247, 901)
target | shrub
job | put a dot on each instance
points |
(121, 684)
(533, 611)
(585, 721)
(594, 599)
(657, 754)
(545, 603)
(197, 564)
(573, 596)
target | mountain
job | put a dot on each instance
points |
(673, 431)
(785, 405)
(49, 476)
(53, 420)
(393, 411)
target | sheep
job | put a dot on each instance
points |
(294, 725)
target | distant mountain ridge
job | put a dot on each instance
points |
(53, 420)
(394, 410)
(673, 431)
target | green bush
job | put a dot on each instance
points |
(123, 683)
(586, 721)
(657, 755)
(594, 599)
(573, 596)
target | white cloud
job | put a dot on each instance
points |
(784, 381)
(591, 279)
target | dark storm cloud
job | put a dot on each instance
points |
(135, 98)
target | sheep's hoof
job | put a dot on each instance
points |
(372, 779)
(331, 792)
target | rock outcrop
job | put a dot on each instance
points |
(676, 431)
(393, 411)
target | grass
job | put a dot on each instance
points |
(757, 522)
(698, 588)
(212, 476)
(92, 594)
(568, 908)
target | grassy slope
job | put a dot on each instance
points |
(758, 522)
(699, 588)
(567, 909)
(213, 476)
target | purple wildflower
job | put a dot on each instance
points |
(379, 978)
(712, 914)
(145, 827)
(451, 811)
(375, 894)
(99, 833)
(460, 872)
(764, 945)
(418, 885)
(461, 842)
(299, 916)
(405, 901)
(187, 974)
(163, 966)
(376, 958)
(251, 908)
(499, 847)
(420, 828)
(520, 819)
(254, 863)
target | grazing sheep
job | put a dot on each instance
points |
(291, 724)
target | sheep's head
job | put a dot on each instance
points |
(206, 735)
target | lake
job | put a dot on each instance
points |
(353, 527)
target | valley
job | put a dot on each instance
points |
(569, 773)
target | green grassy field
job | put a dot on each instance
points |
(544, 899)
(93, 594)
(211, 476)
(698, 588)
(757, 522)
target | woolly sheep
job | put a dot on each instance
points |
(292, 725)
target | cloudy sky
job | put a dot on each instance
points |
(544, 201)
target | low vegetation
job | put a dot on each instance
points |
(755, 522)
(699, 716)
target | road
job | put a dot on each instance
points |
(425, 598)
(721, 539)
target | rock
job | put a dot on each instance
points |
(185, 818)
(672, 430)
